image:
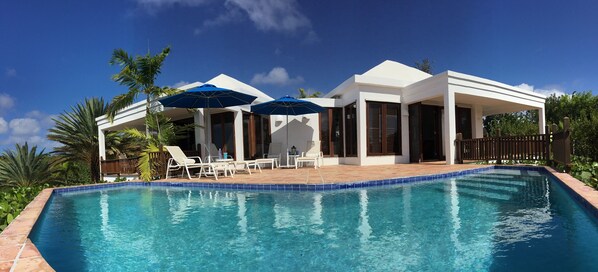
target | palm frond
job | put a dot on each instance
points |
(24, 166)
(120, 102)
(77, 132)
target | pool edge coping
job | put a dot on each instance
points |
(30, 259)
(18, 252)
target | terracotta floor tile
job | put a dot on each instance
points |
(6, 240)
(33, 264)
(5, 266)
(335, 174)
(30, 251)
(9, 253)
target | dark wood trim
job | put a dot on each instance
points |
(221, 116)
(383, 129)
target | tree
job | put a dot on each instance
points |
(582, 109)
(139, 75)
(305, 94)
(425, 66)
(77, 131)
(25, 167)
(512, 124)
(165, 134)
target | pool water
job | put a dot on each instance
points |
(500, 220)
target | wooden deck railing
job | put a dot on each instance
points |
(554, 146)
(119, 166)
(528, 147)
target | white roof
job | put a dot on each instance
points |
(388, 74)
(398, 71)
(225, 81)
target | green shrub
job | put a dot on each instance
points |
(14, 200)
(585, 170)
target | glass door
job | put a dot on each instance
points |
(223, 132)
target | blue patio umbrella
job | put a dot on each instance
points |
(287, 106)
(207, 96)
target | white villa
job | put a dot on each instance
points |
(390, 114)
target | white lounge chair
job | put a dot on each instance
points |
(180, 160)
(274, 152)
(311, 155)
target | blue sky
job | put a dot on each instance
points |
(54, 54)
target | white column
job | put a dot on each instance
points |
(239, 154)
(541, 121)
(361, 129)
(405, 132)
(477, 121)
(450, 127)
(102, 144)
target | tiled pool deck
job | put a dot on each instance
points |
(17, 253)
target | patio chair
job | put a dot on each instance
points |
(274, 152)
(212, 154)
(180, 160)
(311, 155)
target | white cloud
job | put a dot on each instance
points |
(180, 84)
(10, 72)
(276, 15)
(311, 38)
(3, 126)
(24, 126)
(547, 91)
(31, 128)
(277, 76)
(232, 14)
(283, 16)
(153, 6)
(6, 101)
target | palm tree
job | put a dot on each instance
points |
(24, 167)
(305, 94)
(77, 131)
(165, 134)
(139, 74)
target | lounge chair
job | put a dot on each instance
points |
(311, 155)
(180, 160)
(274, 152)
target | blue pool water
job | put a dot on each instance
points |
(499, 220)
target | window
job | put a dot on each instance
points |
(256, 135)
(185, 134)
(351, 130)
(331, 132)
(463, 121)
(383, 128)
(223, 132)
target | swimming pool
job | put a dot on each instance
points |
(500, 219)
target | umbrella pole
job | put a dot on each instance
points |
(208, 134)
(287, 139)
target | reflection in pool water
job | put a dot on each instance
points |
(496, 220)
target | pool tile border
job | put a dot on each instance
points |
(18, 253)
(315, 187)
